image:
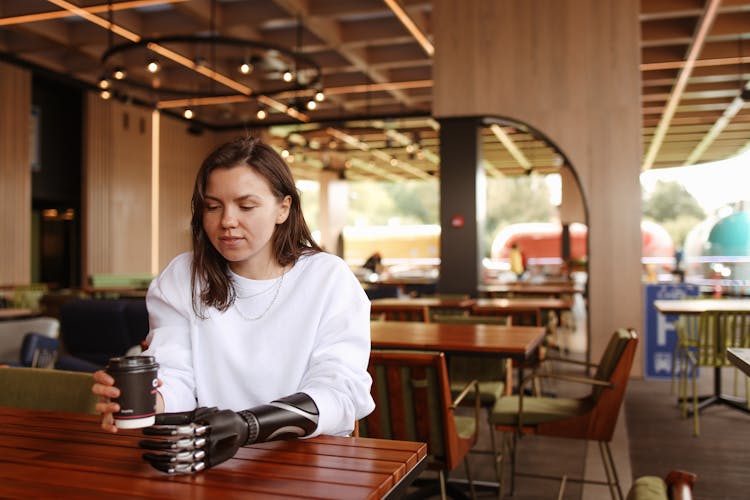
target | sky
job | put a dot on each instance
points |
(713, 184)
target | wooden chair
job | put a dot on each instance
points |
(413, 403)
(491, 373)
(42, 389)
(592, 417)
(397, 313)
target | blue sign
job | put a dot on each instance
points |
(659, 329)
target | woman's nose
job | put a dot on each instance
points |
(228, 220)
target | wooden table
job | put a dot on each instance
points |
(519, 306)
(511, 342)
(740, 357)
(699, 306)
(62, 455)
(516, 342)
(14, 313)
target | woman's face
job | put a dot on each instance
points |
(240, 215)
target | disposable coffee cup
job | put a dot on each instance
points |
(136, 377)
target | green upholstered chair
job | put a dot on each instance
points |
(43, 389)
(413, 403)
(592, 417)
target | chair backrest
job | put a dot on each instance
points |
(137, 319)
(39, 351)
(719, 330)
(466, 367)
(615, 366)
(412, 403)
(95, 330)
(611, 358)
(12, 333)
(42, 389)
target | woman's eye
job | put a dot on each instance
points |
(246, 208)
(211, 208)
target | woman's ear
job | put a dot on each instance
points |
(284, 207)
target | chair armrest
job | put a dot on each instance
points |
(573, 378)
(472, 385)
(558, 359)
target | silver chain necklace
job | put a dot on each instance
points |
(268, 307)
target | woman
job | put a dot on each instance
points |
(257, 319)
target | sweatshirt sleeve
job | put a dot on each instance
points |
(337, 378)
(169, 336)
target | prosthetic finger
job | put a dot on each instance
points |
(175, 445)
(180, 463)
(176, 430)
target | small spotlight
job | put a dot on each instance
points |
(246, 68)
(320, 96)
(119, 73)
(103, 83)
(153, 66)
(188, 113)
(284, 153)
(261, 114)
(311, 105)
(394, 162)
(105, 94)
(287, 76)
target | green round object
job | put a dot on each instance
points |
(730, 236)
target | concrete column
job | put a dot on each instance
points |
(334, 205)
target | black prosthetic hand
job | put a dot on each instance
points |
(206, 437)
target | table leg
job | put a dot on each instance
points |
(718, 397)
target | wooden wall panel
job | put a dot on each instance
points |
(15, 175)
(181, 155)
(569, 68)
(117, 188)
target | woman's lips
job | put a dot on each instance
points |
(230, 240)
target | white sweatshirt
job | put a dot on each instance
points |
(314, 338)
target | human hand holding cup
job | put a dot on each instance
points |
(128, 391)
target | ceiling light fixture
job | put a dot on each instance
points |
(143, 86)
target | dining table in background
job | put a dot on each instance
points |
(520, 307)
(519, 343)
(64, 455)
(700, 306)
(418, 307)
(526, 289)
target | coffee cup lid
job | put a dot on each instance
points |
(126, 362)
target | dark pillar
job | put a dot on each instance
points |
(565, 241)
(462, 201)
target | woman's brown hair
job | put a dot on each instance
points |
(210, 282)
